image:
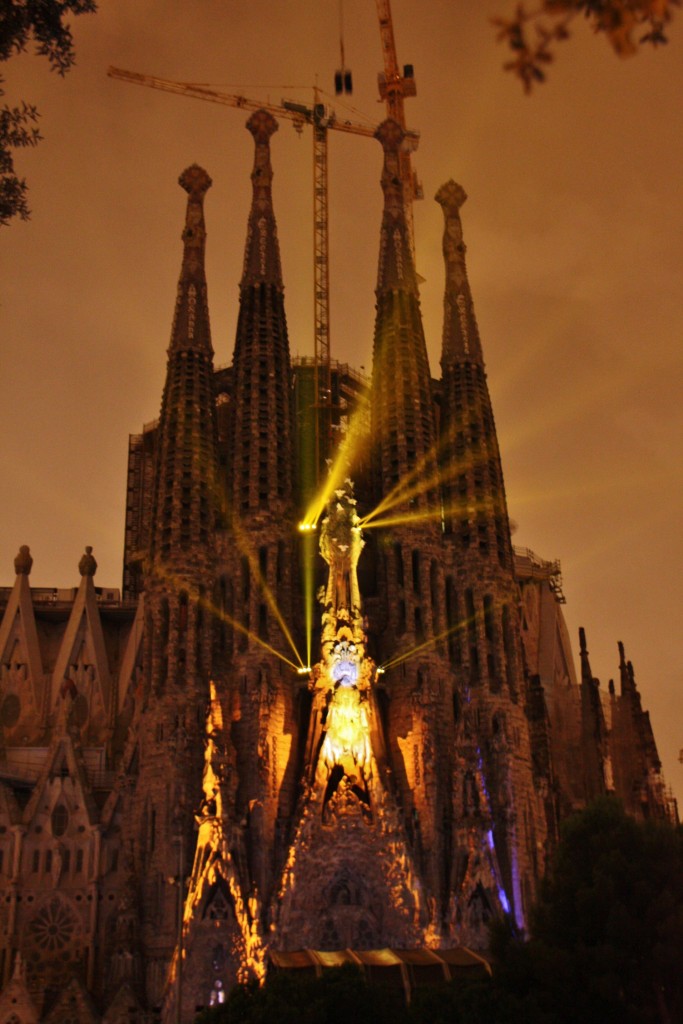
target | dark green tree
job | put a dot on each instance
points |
(43, 22)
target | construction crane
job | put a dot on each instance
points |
(321, 118)
(394, 87)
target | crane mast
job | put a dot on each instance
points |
(321, 295)
(394, 87)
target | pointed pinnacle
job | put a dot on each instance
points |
(451, 197)
(396, 265)
(262, 251)
(460, 331)
(196, 183)
(586, 674)
(262, 126)
(391, 135)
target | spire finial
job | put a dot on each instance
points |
(450, 198)
(460, 331)
(191, 320)
(196, 183)
(87, 565)
(23, 562)
(262, 252)
(586, 674)
(391, 135)
(626, 674)
(396, 265)
(262, 126)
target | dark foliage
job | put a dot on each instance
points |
(532, 35)
(606, 946)
(43, 22)
(340, 996)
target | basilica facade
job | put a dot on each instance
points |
(360, 736)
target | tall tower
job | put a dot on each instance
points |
(418, 705)
(255, 584)
(481, 592)
(178, 618)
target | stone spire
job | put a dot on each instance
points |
(191, 321)
(460, 332)
(403, 417)
(475, 510)
(87, 566)
(481, 599)
(396, 265)
(637, 767)
(472, 475)
(261, 468)
(259, 563)
(596, 760)
(181, 560)
(179, 586)
(586, 673)
(404, 457)
(626, 676)
(262, 251)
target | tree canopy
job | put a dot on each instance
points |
(532, 35)
(21, 21)
(606, 945)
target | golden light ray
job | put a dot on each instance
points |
(308, 554)
(408, 487)
(248, 553)
(455, 509)
(178, 584)
(399, 491)
(406, 517)
(396, 495)
(414, 491)
(462, 625)
(421, 647)
(257, 639)
(356, 433)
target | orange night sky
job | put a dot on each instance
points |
(574, 229)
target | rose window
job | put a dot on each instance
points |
(53, 927)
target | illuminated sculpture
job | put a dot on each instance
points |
(349, 880)
(342, 679)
